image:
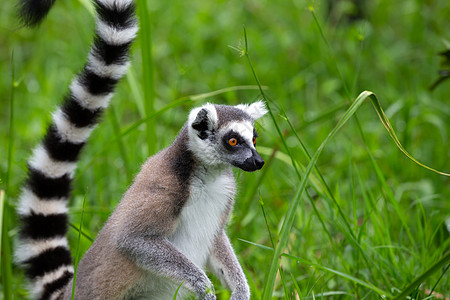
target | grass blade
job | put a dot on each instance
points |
(148, 80)
(390, 130)
(336, 272)
(6, 260)
(289, 218)
(421, 278)
(2, 202)
(6, 257)
(439, 279)
(80, 231)
(120, 142)
(177, 290)
(375, 102)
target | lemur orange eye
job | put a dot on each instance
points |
(254, 140)
(232, 142)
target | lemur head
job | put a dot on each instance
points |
(221, 135)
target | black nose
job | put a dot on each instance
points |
(259, 162)
(253, 163)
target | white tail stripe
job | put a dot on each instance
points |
(69, 132)
(116, 4)
(31, 248)
(98, 67)
(86, 99)
(29, 202)
(48, 278)
(57, 294)
(115, 36)
(41, 161)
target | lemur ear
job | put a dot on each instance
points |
(255, 110)
(203, 119)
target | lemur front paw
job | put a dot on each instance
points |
(209, 297)
(209, 294)
(206, 290)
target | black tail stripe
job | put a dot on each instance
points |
(48, 261)
(61, 150)
(111, 54)
(95, 84)
(78, 115)
(32, 13)
(39, 227)
(120, 19)
(46, 187)
(56, 285)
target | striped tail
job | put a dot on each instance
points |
(32, 12)
(42, 209)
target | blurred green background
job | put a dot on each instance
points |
(386, 221)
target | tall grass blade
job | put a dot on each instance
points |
(421, 278)
(296, 287)
(291, 212)
(261, 203)
(376, 104)
(6, 257)
(135, 88)
(289, 218)
(148, 81)
(11, 124)
(330, 195)
(344, 83)
(439, 279)
(392, 201)
(336, 272)
(89, 6)
(120, 142)
(84, 234)
(292, 206)
(2, 203)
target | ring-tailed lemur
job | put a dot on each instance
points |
(170, 225)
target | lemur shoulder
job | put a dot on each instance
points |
(169, 226)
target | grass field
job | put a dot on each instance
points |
(369, 222)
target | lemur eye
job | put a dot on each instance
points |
(254, 140)
(232, 142)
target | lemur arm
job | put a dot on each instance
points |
(225, 265)
(157, 255)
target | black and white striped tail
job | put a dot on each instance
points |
(32, 12)
(42, 209)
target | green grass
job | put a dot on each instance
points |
(366, 222)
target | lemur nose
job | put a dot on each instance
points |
(259, 162)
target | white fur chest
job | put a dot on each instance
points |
(201, 218)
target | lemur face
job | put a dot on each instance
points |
(223, 135)
(238, 142)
